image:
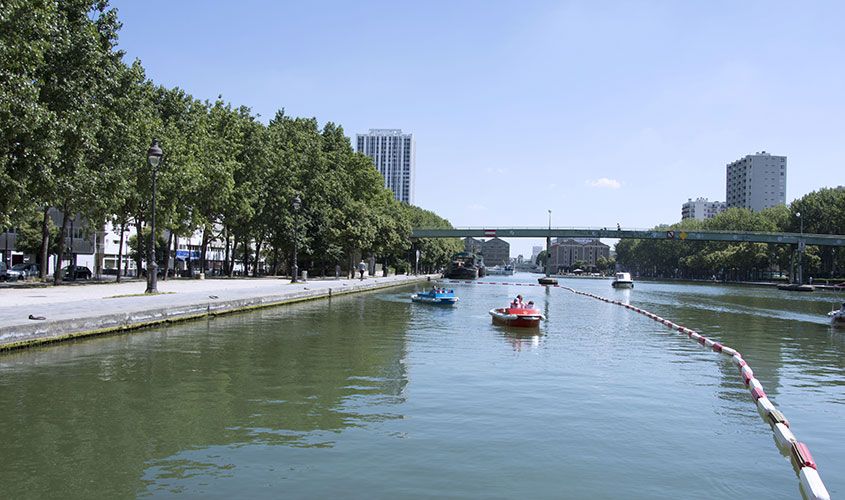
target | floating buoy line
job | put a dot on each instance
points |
(802, 460)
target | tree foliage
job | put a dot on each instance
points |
(75, 123)
(822, 211)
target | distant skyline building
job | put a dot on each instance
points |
(701, 209)
(756, 182)
(394, 155)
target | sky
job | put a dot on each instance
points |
(602, 112)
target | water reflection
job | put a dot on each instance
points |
(277, 377)
(521, 340)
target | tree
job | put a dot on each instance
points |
(80, 65)
(603, 264)
(28, 139)
(75, 122)
(541, 259)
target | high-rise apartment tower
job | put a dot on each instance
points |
(393, 154)
(757, 181)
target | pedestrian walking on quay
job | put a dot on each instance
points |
(362, 266)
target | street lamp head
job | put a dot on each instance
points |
(798, 214)
(296, 203)
(154, 154)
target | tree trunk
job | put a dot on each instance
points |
(204, 249)
(139, 241)
(275, 260)
(255, 261)
(246, 255)
(234, 254)
(226, 257)
(44, 251)
(57, 273)
(98, 248)
(120, 252)
(176, 250)
(167, 256)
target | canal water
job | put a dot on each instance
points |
(372, 396)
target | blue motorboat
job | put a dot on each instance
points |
(438, 296)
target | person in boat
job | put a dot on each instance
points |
(530, 305)
(514, 304)
(519, 301)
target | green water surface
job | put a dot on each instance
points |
(372, 396)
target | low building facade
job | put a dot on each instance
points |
(472, 245)
(564, 253)
(496, 251)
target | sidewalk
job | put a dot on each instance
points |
(75, 311)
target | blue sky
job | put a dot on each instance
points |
(603, 112)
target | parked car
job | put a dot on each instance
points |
(76, 273)
(22, 271)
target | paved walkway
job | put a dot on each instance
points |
(72, 311)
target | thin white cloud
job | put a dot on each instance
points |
(475, 207)
(606, 183)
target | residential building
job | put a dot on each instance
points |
(565, 252)
(535, 252)
(394, 155)
(80, 244)
(756, 182)
(701, 209)
(496, 251)
(98, 248)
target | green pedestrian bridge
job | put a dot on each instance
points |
(642, 234)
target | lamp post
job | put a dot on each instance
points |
(547, 279)
(549, 245)
(296, 203)
(154, 158)
(800, 249)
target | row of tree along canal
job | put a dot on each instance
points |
(819, 212)
(76, 121)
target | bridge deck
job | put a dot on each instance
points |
(557, 232)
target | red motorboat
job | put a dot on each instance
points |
(517, 316)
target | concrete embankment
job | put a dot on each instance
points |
(54, 315)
